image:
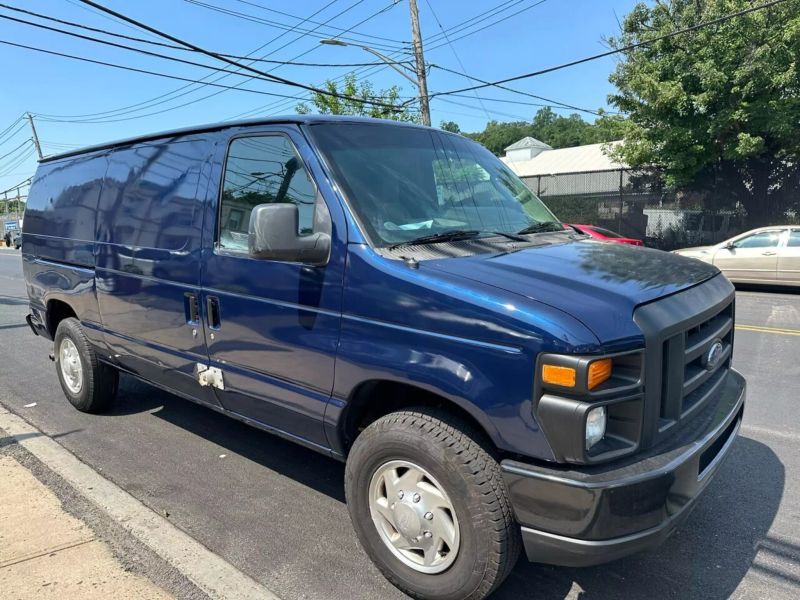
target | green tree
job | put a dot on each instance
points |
(450, 126)
(358, 101)
(552, 129)
(718, 109)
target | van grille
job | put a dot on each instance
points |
(679, 332)
(688, 380)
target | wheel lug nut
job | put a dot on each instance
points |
(428, 516)
(428, 535)
(400, 494)
(416, 497)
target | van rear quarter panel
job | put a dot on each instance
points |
(58, 253)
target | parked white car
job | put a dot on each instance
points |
(768, 255)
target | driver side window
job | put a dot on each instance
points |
(260, 170)
(765, 239)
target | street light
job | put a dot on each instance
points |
(386, 59)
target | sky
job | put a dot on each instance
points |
(77, 103)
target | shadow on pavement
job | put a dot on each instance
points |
(706, 558)
(305, 466)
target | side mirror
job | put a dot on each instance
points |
(730, 246)
(272, 235)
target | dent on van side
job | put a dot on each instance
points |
(394, 296)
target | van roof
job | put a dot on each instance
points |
(298, 119)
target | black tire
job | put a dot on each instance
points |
(99, 381)
(450, 451)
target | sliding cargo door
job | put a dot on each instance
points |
(149, 230)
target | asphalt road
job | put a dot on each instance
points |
(276, 510)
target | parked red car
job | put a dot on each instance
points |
(606, 235)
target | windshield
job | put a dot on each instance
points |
(405, 182)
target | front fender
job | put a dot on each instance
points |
(464, 372)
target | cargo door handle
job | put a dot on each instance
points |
(192, 308)
(212, 313)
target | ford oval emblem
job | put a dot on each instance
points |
(714, 355)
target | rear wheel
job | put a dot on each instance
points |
(89, 385)
(430, 508)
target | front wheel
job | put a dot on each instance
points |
(430, 508)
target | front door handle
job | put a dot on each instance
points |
(212, 312)
(768, 253)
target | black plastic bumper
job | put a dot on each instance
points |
(597, 514)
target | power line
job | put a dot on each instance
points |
(363, 73)
(549, 101)
(475, 108)
(211, 54)
(177, 47)
(9, 166)
(18, 186)
(239, 65)
(187, 89)
(627, 48)
(14, 134)
(122, 46)
(479, 18)
(14, 150)
(279, 12)
(272, 106)
(137, 70)
(10, 127)
(254, 19)
(100, 14)
(505, 18)
(453, 50)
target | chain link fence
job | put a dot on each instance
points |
(640, 205)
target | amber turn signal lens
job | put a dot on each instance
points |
(555, 375)
(599, 371)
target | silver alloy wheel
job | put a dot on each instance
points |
(414, 516)
(71, 368)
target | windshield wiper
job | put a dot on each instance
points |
(453, 235)
(510, 236)
(542, 227)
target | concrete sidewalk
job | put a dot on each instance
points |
(47, 553)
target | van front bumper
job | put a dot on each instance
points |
(597, 514)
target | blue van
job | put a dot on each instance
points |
(393, 296)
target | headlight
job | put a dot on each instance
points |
(590, 407)
(595, 426)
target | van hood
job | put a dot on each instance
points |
(599, 284)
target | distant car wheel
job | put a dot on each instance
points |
(89, 385)
(430, 508)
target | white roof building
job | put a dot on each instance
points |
(578, 171)
(526, 149)
(580, 159)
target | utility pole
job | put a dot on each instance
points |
(422, 81)
(35, 137)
